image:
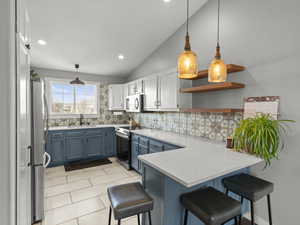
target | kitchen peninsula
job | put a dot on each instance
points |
(198, 163)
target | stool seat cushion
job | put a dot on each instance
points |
(211, 206)
(128, 200)
(250, 187)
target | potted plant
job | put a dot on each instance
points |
(261, 136)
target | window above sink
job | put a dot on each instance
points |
(69, 101)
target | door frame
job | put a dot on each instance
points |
(8, 113)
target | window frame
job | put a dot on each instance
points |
(48, 92)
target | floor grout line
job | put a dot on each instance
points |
(120, 173)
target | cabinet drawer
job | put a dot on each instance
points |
(143, 150)
(135, 138)
(144, 141)
(57, 135)
(74, 133)
(94, 132)
(156, 146)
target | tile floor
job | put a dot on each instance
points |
(79, 197)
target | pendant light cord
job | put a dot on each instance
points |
(187, 15)
(218, 35)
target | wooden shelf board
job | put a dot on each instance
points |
(224, 110)
(213, 87)
(231, 68)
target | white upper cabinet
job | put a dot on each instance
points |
(162, 92)
(168, 91)
(125, 94)
(150, 93)
(136, 87)
(116, 97)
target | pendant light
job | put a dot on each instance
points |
(217, 71)
(77, 81)
(187, 61)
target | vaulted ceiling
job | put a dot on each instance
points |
(94, 32)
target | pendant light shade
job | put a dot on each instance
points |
(187, 61)
(77, 81)
(217, 71)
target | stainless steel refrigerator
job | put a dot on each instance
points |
(39, 158)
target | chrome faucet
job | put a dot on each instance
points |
(81, 119)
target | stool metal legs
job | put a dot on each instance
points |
(149, 216)
(109, 218)
(240, 217)
(269, 209)
(185, 217)
(138, 217)
(252, 213)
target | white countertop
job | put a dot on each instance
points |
(199, 160)
(88, 126)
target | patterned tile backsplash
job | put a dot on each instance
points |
(215, 126)
(105, 116)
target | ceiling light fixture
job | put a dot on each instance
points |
(121, 57)
(77, 81)
(217, 71)
(187, 61)
(167, 1)
(41, 42)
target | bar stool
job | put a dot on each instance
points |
(129, 200)
(212, 207)
(251, 188)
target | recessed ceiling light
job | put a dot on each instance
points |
(167, 1)
(121, 57)
(41, 42)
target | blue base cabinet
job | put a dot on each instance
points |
(110, 142)
(56, 148)
(141, 145)
(74, 146)
(65, 146)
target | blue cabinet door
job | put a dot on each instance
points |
(56, 149)
(142, 151)
(94, 146)
(134, 156)
(110, 142)
(75, 145)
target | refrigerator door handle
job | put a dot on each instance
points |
(47, 159)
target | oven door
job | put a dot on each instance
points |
(124, 149)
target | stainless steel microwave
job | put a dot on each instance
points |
(134, 103)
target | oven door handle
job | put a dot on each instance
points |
(123, 136)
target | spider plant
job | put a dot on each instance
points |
(261, 136)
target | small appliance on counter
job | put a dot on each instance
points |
(134, 103)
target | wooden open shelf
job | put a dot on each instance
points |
(231, 68)
(213, 87)
(224, 110)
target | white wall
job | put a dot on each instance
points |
(84, 76)
(263, 36)
(7, 113)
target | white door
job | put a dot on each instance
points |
(150, 93)
(168, 92)
(23, 135)
(116, 98)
